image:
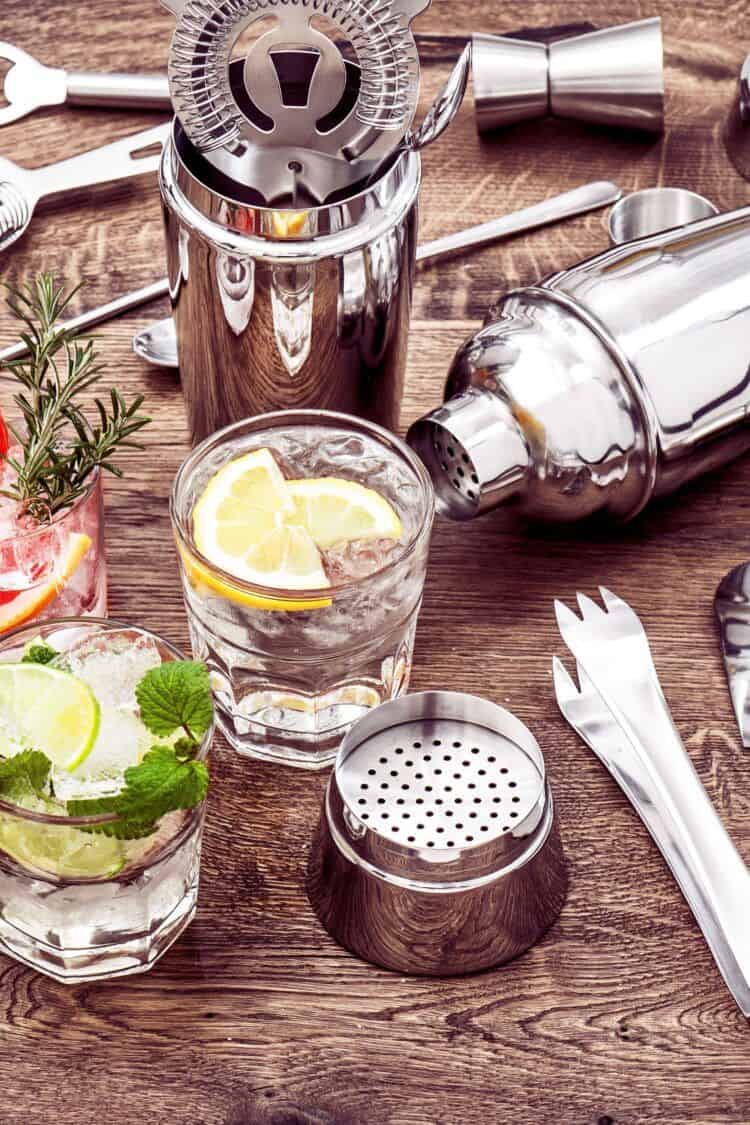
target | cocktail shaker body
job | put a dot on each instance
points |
(611, 382)
(281, 309)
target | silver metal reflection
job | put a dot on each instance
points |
(732, 606)
(437, 850)
(279, 309)
(610, 77)
(620, 711)
(737, 131)
(611, 382)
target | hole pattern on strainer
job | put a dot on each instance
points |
(455, 462)
(440, 784)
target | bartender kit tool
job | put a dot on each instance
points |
(21, 189)
(437, 850)
(732, 606)
(609, 383)
(653, 210)
(621, 713)
(157, 343)
(612, 77)
(287, 108)
(29, 85)
(737, 131)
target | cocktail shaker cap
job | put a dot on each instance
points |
(437, 849)
(474, 450)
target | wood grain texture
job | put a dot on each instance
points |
(255, 1016)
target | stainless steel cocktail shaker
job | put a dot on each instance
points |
(609, 383)
(279, 308)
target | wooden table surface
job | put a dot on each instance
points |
(619, 1014)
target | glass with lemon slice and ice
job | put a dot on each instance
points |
(76, 902)
(303, 540)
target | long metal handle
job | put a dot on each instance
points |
(686, 827)
(131, 156)
(98, 315)
(589, 197)
(126, 91)
(558, 207)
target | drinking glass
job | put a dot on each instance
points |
(138, 895)
(293, 669)
(54, 569)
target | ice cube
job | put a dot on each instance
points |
(121, 742)
(345, 562)
(113, 664)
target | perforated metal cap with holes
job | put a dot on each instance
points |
(474, 450)
(436, 850)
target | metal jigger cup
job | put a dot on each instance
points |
(610, 77)
(654, 210)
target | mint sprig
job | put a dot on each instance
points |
(25, 775)
(159, 784)
(176, 696)
(39, 653)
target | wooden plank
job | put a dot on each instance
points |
(619, 1015)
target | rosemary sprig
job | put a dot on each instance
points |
(61, 446)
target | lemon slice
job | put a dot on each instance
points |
(44, 708)
(61, 850)
(244, 524)
(333, 511)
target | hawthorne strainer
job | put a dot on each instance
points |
(437, 851)
(294, 103)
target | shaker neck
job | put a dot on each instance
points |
(475, 452)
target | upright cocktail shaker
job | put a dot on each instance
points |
(279, 308)
(290, 198)
(609, 383)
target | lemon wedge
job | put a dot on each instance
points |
(265, 530)
(333, 511)
(244, 523)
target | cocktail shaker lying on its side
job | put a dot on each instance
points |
(609, 383)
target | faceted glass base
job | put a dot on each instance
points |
(92, 930)
(122, 958)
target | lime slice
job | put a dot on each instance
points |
(44, 708)
(60, 850)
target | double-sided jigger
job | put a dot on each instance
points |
(653, 210)
(437, 851)
(610, 77)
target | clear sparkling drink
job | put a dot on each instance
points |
(292, 668)
(75, 903)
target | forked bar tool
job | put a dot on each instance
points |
(620, 712)
(21, 189)
(30, 85)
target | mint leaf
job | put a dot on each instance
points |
(24, 775)
(39, 654)
(159, 784)
(176, 695)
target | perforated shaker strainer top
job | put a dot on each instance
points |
(439, 786)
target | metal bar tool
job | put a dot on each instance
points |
(620, 712)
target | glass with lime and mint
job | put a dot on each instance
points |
(104, 735)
